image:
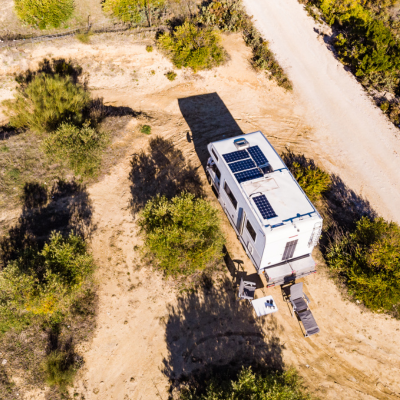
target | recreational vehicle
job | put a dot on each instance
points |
(273, 218)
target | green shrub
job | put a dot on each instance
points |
(313, 180)
(227, 15)
(47, 101)
(149, 49)
(369, 259)
(252, 386)
(182, 235)
(41, 284)
(136, 11)
(59, 369)
(193, 47)
(80, 147)
(44, 14)
(171, 75)
(146, 129)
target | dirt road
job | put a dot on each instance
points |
(355, 138)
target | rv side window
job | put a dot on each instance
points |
(230, 195)
(251, 231)
(216, 170)
(216, 157)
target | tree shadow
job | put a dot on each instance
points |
(98, 111)
(55, 66)
(7, 131)
(64, 208)
(209, 120)
(162, 170)
(210, 330)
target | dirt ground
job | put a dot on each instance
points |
(147, 335)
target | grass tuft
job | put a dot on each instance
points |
(146, 129)
(171, 75)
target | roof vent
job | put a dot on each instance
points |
(241, 143)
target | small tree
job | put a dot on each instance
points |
(193, 47)
(181, 235)
(44, 13)
(134, 10)
(46, 101)
(80, 147)
(369, 259)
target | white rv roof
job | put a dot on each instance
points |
(284, 200)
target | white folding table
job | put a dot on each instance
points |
(261, 308)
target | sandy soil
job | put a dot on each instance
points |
(358, 141)
(147, 335)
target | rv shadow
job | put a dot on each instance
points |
(237, 272)
(162, 170)
(209, 120)
(64, 208)
(210, 330)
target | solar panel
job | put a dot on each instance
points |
(257, 155)
(264, 207)
(248, 175)
(235, 156)
(242, 165)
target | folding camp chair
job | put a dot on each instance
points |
(246, 290)
(300, 307)
(310, 326)
(297, 298)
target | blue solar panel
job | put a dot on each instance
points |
(235, 156)
(248, 175)
(264, 207)
(257, 155)
(242, 165)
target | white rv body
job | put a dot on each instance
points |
(272, 216)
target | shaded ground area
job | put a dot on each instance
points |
(161, 170)
(211, 330)
(209, 120)
(64, 208)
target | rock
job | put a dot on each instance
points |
(4, 362)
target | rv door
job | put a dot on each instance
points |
(230, 204)
(214, 173)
